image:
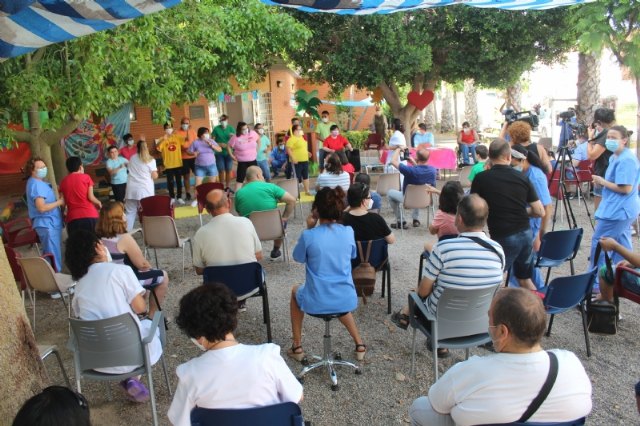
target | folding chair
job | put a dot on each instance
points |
(292, 187)
(287, 413)
(19, 232)
(201, 195)
(416, 197)
(269, 227)
(379, 259)
(161, 232)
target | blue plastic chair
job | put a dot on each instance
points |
(245, 280)
(557, 247)
(379, 259)
(285, 414)
(565, 293)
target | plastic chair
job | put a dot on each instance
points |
(156, 205)
(269, 227)
(245, 280)
(114, 342)
(463, 176)
(386, 182)
(287, 413)
(201, 195)
(374, 141)
(557, 247)
(40, 276)
(379, 259)
(19, 232)
(461, 320)
(291, 186)
(584, 175)
(45, 351)
(161, 232)
(416, 197)
(619, 290)
(565, 293)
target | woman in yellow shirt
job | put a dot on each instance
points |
(299, 155)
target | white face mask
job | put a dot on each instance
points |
(261, 131)
(206, 135)
(245, 131)
(369, 204)
(195, 342)
(325, 119)
(185, 127)
(467, 130)
(130, 142)
(223, 123)
(169, 131)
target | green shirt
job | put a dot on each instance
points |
(222, 135)
(477, 168)
(323, 131)
(257, 196)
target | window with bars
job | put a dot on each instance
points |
(262, 113)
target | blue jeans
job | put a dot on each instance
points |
(264, 166)
(224, 163)
(465, 152)
(518, 253)
(377, 200)
(51, 240)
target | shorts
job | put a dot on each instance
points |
(210, 171)
(629, 281)
(241, 172)
(188, 164)
(224, 163)
(302, 170)
(149, 279)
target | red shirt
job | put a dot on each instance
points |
(349, 168)
(467, 138)
(336, 144)
(75, 189)
(128, 151)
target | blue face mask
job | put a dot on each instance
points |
(612, 144)
(41, 173)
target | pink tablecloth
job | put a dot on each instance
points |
(440, 158)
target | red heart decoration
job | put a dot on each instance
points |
(418, 100)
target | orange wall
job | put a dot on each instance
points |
(144, 125)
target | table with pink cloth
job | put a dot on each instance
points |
(440, 158)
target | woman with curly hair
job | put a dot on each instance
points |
(228, 374)
(105, 290)
(326, 250)
(520, 134)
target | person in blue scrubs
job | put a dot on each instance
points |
(620, 204)
(44, 210)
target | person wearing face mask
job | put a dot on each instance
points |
(188, 135)
(335, 142)
(105, 290)
(323, 130)
(170, 146)
(467, 140)
(128, 149)
(44, 210)
(264, 145)
(299, 156)
(499, 388)
(205, 149)
(367, 226)
(82, 204)
(278, 158)
(208, 315)
(244, 145)
(224, 162)
(620, 204)
(117, 169)
(603, 119)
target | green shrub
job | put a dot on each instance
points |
(356, 138)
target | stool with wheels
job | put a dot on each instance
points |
(328, 358)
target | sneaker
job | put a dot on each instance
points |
(416, 223)
(276, 254)
(194, 203)
(55, 295)
(135, 390)
(188, 197)
(399, 226)
(180, 201)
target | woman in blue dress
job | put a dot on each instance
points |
(326, 250)
(620, 204)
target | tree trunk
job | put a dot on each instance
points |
(58, 159)
(429, 116)
(471, 104)
(513, 96)
(23, 372)
(446, 123)
(588, 86)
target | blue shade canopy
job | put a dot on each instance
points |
(368, 7)
(26, 25)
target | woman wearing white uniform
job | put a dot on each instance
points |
(396, 140)
(106, 290)
(142, 172)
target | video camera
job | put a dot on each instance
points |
(532, 119)
(577, 129)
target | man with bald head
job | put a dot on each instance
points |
(257, 195)
(226, 239)
(419, 173)
(512, 199)
(499, 388)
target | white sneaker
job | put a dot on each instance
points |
(194, 203)
(180, 201)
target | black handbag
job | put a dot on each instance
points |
(602, 316)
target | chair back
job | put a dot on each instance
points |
(564, 293)
(18, 232)
(243, 279)
(463, 177)
(374, 141)
(201, 193)
(111, 342)
(584, 171)
(39, 274)
(560, 246)
(554, 185)
(463, 311)
(160, 232)
(619, 290)
(547, 143)
(379, 255)
(156, 205)
(285, 414)
(388, 181)
(12, 257)
(416, 197)
(268, 224)
(291, 186)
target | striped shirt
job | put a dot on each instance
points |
(461, 262)
(329, 179)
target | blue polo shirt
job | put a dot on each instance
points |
(622, 170)
(417, 175)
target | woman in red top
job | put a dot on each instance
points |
(335, 141)
(467, 140)
(82, 205)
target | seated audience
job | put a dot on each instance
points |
(112, 229)
(499, 388)
(228, 374)
(333, 175)
(629, 281)
(326, 251)
(366, 226)
(365, 179)
(444, 221)
(106, 290)
(54, 406)
(482, 153)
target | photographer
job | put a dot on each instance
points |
(603, 119)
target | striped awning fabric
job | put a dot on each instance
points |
(26, 25)
(368, 7)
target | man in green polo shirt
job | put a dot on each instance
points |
(323, 130)
(221, 134)
(257, 195)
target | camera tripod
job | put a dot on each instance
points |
(559, 179)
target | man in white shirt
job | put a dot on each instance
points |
(499, 388)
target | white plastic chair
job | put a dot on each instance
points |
(416, 197)
(463, 177)
(269, 227)
(161, 232)
(292, 187)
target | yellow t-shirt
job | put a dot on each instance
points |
(171, 150)
(298, 147)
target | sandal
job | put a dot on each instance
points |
(293, 353)
(400, 320)
(134, 390)
(416, 223)
(360, 353)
